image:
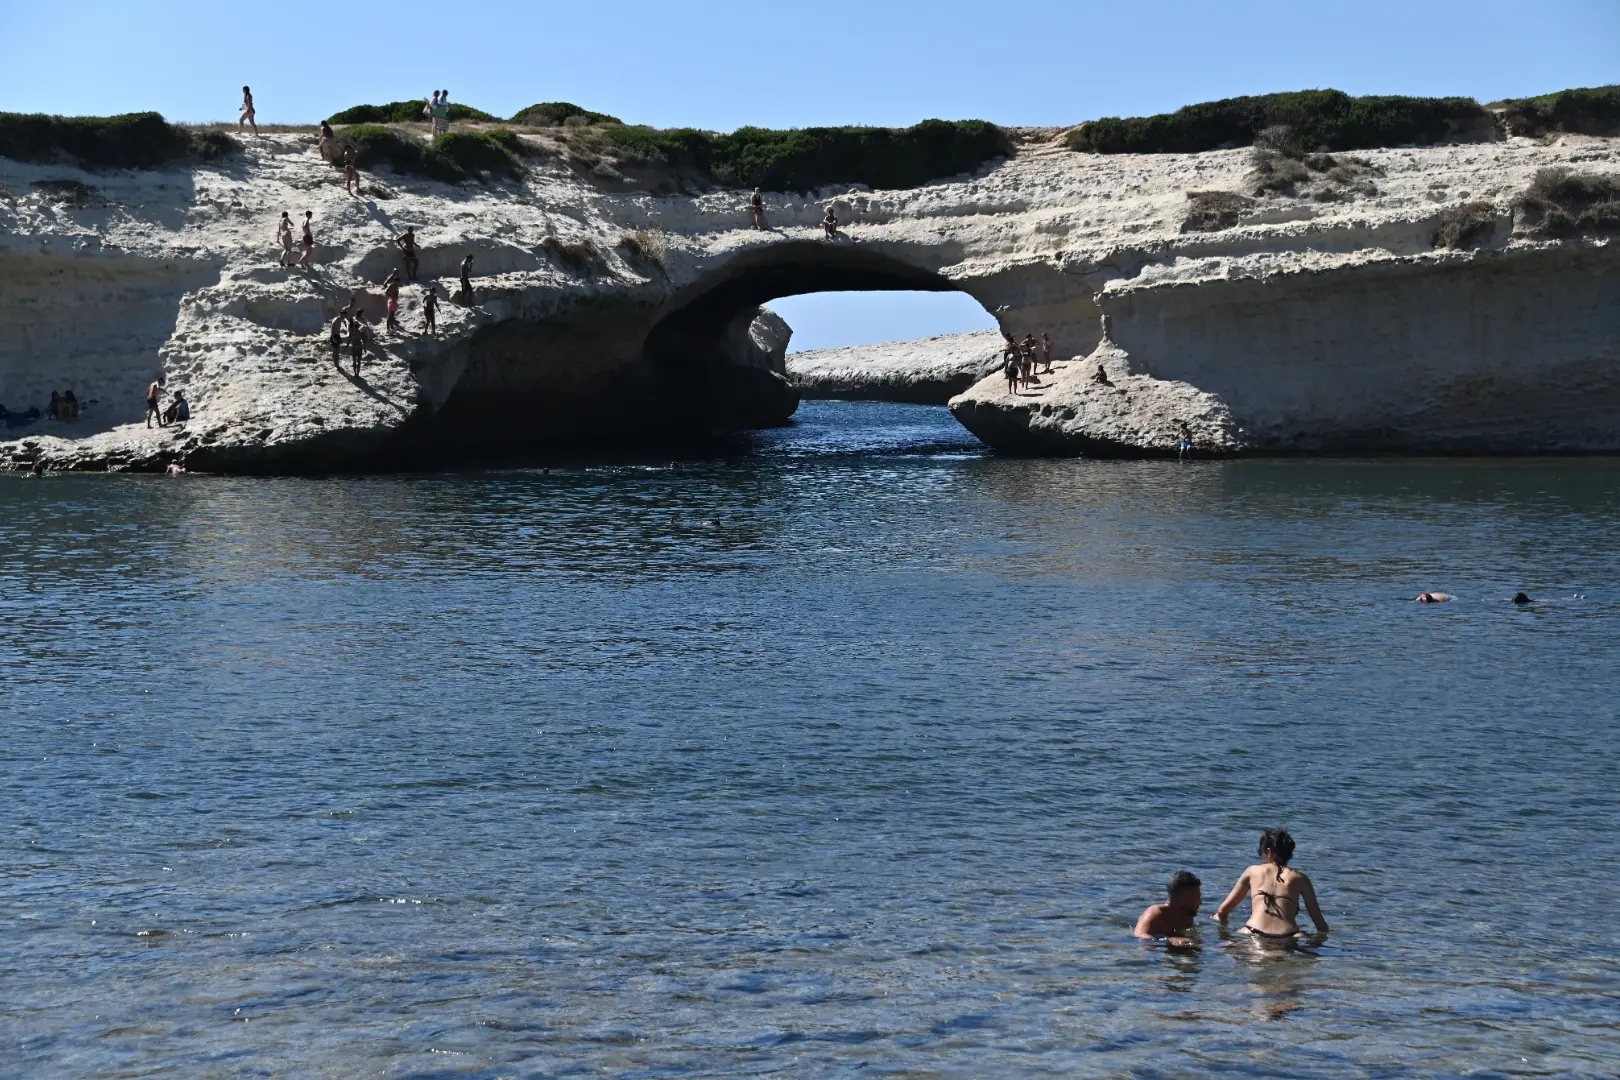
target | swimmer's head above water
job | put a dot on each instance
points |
(1276, 846)
(1433, 597)
(1520, 598)
(1185, 892)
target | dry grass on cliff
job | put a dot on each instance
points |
(1562, 203)
(1322, 177)
(1466, 226)
(583, 257)
(645, 247)
(1212, 211)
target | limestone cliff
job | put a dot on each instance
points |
(610, 317)
(929, 371)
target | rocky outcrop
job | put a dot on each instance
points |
(929, 371)
(605, 317)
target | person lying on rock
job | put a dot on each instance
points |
(830, 224)
(1172, 919)
(391, 295)
(407, 245)
(430, 305)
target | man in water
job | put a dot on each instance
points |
(1433, 597)
(1520, 599)
(1172, 919)
(407, 244)
(756, 206)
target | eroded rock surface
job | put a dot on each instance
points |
(609, 318)
(928, 371)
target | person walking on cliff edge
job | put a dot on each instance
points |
(248, 114)
(284, 238)
(466, 281)
(391, 296)
(430, 306)
(756, 206)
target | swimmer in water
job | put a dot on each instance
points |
(1172, 919)
(1433, 597)
(1275, 890)
(1520, 599)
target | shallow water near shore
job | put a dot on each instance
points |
(856, 751)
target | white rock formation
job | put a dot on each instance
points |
(613, 317)
(928, 371)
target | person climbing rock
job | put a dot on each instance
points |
(407, 245)
(391, 295)
(430, 305)
(308, 240)
(248, 113)
(284, 238)
(466, 281)
(756, 206)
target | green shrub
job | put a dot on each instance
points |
(405, 112)
(450, 158)
(475, 152)
(1313, 118)
(131, 141)
(558, 113)
(1587, 111)
(1564, 203)
(807, 158)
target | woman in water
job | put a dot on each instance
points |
(1275, 892)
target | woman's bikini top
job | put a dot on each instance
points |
(1273, 902)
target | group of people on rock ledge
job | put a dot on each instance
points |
(1022, 361)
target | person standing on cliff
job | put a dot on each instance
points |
(1046, 350)
(407, 245)
(351, 175)
(357, 339)
(756, 206)
(466, 281)
(327, 141)
(430, 306)
(1028, 348)
(152, 410)
(284, 238)
(391, 295)
(308, 240)
(248, 114)
(338, 325)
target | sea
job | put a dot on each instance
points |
(846, 749)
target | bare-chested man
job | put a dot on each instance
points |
(152, 410)
(756, 206)
(430, 305)
(1171, 920)
(284, 237)
(407, 245)
(1276, 892)
(1433, 597)
(338, 325)
(248, 114)
(308, 240)
(357, 339)
(391, 296)
(1046, 350)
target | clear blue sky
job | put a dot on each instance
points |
(723, 64)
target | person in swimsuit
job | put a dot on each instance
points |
(1520, 599)
(284, 238)
(1009, 365)
(248, 114)
(1433, 597)
(391, 295)
(756, 206)
(1184, 436)
(327, 141)
(338, 324)
(357, 340)
(351, 175)
(466, 281)
(1275, 892)
(407, 244)
(1046, 351)
(152, 393)
(308, 241)
(829, 224)
(1172, 919)
(430, 305)
(1028, 348)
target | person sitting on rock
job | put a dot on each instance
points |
(756, 206)
(829, 224)
(178, 411)
(407, 245)
(1184, 439)
(391, 296)
(1101, 376)
(430, 305)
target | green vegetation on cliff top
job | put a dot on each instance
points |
(130, 141)
(558, 113)
(405, 112)
(1593, 110)
(450, 158)
(806, 158)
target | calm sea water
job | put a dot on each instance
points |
(856, 751)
